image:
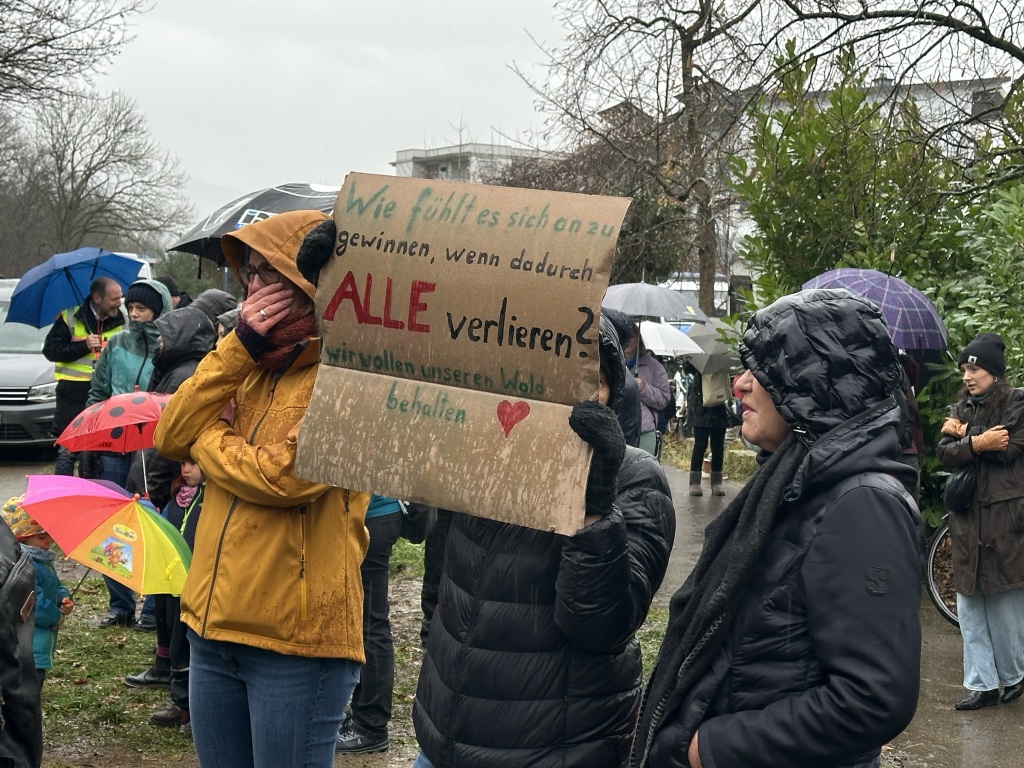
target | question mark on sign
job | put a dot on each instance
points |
(588, 320)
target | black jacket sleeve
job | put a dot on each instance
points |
(58, 346)
(862, 583)
(610, 570)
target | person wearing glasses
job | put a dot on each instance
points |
(273, 600)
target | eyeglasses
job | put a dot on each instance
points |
(267, 274)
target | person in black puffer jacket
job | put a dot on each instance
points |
(532, 657)
(796, 639)
(21, 715)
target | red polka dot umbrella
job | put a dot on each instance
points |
(121, 424)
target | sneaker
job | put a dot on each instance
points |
(185, 729)
(169, 716)
(145, 624)
(150, 678)
(115, 620)
(351, 741)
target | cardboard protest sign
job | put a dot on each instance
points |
(460, 325)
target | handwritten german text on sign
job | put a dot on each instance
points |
(459, 325)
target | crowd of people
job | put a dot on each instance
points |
(279, 650)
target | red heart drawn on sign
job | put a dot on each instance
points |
(509, 415)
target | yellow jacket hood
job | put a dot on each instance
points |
(278, 238)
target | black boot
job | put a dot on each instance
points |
(978, 699)
(1012, 692)
(157, 676)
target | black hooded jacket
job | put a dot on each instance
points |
(532, 657)
(186, 336)
(820, 664)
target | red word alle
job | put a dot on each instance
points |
(349, 291)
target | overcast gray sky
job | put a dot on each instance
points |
(252, 94)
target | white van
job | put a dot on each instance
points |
(146, 273)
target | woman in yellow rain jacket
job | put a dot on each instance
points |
(273, 599)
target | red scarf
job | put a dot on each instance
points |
(283, 338)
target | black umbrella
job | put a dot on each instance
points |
(204, 238)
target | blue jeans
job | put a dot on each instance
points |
(65, 461)
(114, 468)
(422, 762)
(993, 630)
(371, 700)
(253, 708)
(122, 599)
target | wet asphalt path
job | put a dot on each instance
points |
(939, 736)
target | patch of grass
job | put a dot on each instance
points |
(650, 636)
(407, 560)
(85, 702)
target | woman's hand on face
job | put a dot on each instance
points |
(267, 306)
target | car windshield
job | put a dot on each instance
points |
(19, 338)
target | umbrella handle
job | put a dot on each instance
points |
(79, 584)
(145, 479)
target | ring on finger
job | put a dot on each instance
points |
(263, 314)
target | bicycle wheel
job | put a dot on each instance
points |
(940, 574)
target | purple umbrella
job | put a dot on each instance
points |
(914, 322)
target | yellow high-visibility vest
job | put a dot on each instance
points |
(81, 369)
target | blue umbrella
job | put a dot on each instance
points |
(914, 322)
(62, 282)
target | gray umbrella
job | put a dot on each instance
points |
(645, 300)
(717, 353)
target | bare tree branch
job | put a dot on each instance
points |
(46, 44)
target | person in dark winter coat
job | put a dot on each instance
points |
(21, 737)
(986, 428)
(215, 302)
(73, 344)
(629, 411)
(186, 335)
(709, 425)
(179, 299)
(796, 639)
(532, 657)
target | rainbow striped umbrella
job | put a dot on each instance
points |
(116, 533)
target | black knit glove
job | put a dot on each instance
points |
(316, 249)
(598, 425)
(254, 343)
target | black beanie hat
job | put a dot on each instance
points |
(144, 294)
(986, 351)
(170, 283)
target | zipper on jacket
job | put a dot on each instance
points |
(303, 604)
(145, 359)
(216, 563)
